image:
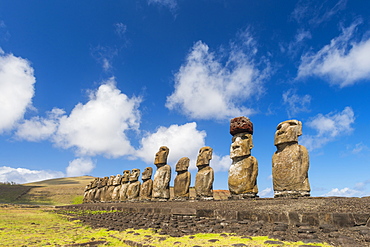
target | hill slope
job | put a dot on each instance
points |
(59, 191)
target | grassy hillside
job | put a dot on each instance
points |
(60, 191)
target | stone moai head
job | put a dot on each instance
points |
(204, 156)
(241, 128)
(126, 176)
(288, 131)
(147, 173)
(117, 179)
(111, 179)
(134, 175)
(182, 164)
(161, 156)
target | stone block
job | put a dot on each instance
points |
(310, 218)
(226, 214)
(361, 219)
(205, 213)
(293, 218)
(343, 220)
(184, 211)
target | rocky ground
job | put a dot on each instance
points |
(178, 225)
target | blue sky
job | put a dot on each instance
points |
(96, 87)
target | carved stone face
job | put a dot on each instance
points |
(182, 164)
(161, 155)
(241, 146)
(126, 176)
(204, 156)
(288, 131)
(117, 179)
(147, 173)
(134, 176)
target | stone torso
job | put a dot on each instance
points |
(204, 182)
(243, 176)
(290, 168)
(161, 184)
(181, 186)
(133, 190)
(146, 189)
(123, 191)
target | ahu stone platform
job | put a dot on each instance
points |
(338, 221)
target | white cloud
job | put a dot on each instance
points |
(99, 126)
(205, 88)
(360, 147)
(37, 128)
(219, 163)
(343, 62)
(80, 166)
(120, 29)
(104, 55)
(268, 192)
(329, 127)
(16, 89)
(22, 175)
(295, 102)
(182, 140)
(346, 192)
(171, 4)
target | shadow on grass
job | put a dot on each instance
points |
(19, 194)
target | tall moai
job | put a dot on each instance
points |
(125, 182)
(133, 190)
(243, 171)
(182, 180)
(162, 176)
(147, 185)
(290, 162)
(117, 187)
(205, 175)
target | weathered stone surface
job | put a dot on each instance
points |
(290, 162)
(147, 185)
(117, 186)
(162, 177)
(133, 190)
(205, 175)
(182, 180)
(243, 171)
(110, 188)
(124, 185)
(102, 187)
(241, 125)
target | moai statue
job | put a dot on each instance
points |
(205, 175)
(117, 187)
(290, 162)
(125, 182)
(182, 180)
(104, 189)
(86, 192)
(162, 176)
(110, 188)
(147, 185)
(133, 190)
(99, 190)
(244, 168)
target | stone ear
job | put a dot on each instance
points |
(299, 128)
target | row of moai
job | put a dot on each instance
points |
(127, 187)
(290, 165)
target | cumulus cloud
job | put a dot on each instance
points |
(16, 89)
(171, 4)
(346, 192)
(22, 175)
(207, 88)
(182, 140)
(220, 163)
(268, 192)
(80, 166)
(38, 128)
(296, 103)
(343, 62)
(99, 126)
(329, 127)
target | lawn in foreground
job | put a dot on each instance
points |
(39, 227)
